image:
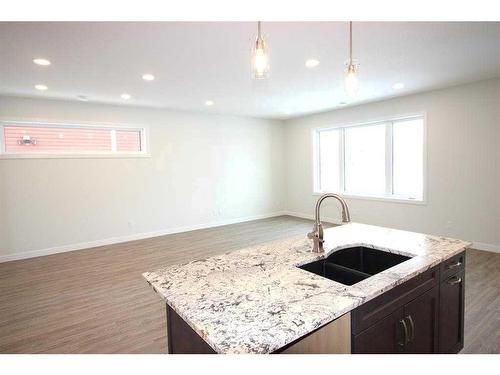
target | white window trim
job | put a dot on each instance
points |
(144, 153)
(373, 197)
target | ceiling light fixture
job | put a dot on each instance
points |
(260, 59)
(125, 96)
(83, 98)
(41, 87)
(209, 103)
(351, 82)
(312, 63)
(398, 86)
(343, 104)
(43, 62)
(148, 77)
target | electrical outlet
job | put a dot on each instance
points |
(449, 224)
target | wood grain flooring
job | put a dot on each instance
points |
(482, 302)
(96, 301)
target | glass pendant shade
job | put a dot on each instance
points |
(260, 59)
(351, 82)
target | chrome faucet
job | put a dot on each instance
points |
(317, 234)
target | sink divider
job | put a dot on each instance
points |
(349, 275)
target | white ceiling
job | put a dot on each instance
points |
(195, 62)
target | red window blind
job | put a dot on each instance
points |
(69, 139)
(128, 140)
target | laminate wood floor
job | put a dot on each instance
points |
(96, 301)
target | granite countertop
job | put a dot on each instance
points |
(256, 300)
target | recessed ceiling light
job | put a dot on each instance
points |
(148, 77)
(209, 103)
(125, 96)
(312, 63)
(398, 86)
(343, 103)
(43, 62)
(41, 87)
(83, 98)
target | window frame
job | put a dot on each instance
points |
(144, 137)
(316, 172)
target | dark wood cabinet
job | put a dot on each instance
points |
(451, 313)
(423, 315)
(412, 328)
(384, 337)
(181, 338)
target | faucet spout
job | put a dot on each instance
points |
(317, 234)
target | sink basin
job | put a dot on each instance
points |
(350, 266)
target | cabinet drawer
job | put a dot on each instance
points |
(371, 312)
(452, 266)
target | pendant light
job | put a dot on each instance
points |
(260, 59)
(351, 83)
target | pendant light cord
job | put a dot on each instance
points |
(350, 42)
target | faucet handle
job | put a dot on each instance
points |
(314, 235)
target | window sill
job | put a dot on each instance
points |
(379, 198)
(75, 156)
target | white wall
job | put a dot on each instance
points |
(204, 169)
(463, 158)
(208, 169)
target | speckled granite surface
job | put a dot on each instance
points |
(256, 300)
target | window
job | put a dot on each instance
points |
(28, 139)
(380, 160)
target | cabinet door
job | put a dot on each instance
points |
(421, 316)
(384, 337)
(451, 314)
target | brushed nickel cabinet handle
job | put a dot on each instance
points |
(454, 265)
(405, 330)
(454, 280)
(412, 328)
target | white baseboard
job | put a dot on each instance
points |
(311, 217)
(132, 237)
(486, 247)
(475, 245)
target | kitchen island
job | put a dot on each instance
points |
(258, 300)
